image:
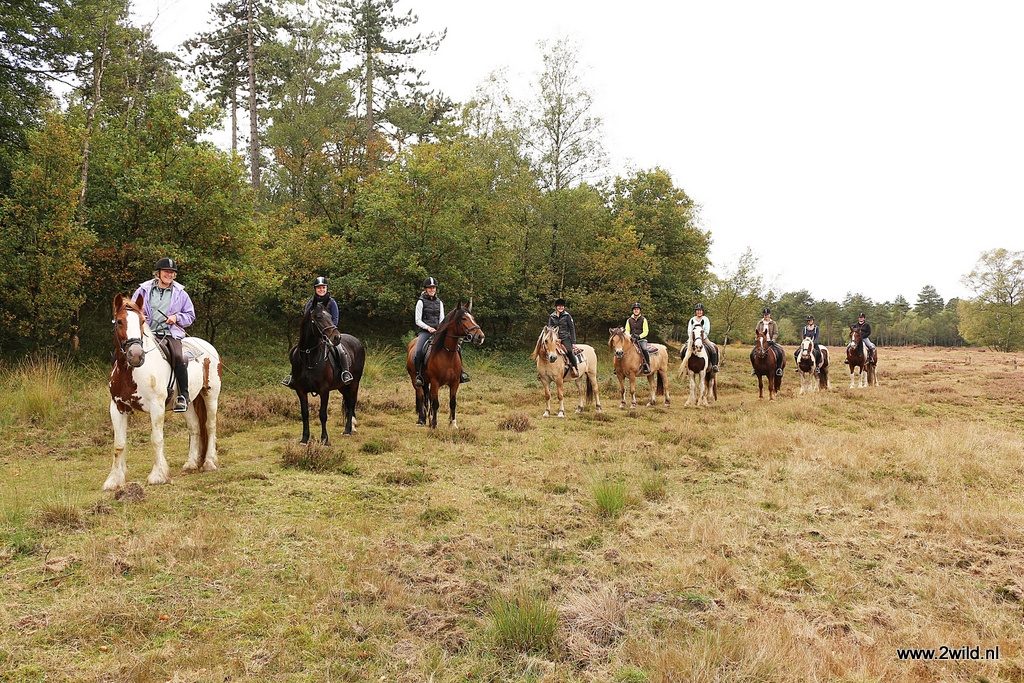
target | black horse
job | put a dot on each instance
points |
(318, 371)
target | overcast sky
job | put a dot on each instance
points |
(872, 146)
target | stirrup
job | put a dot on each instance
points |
(778, 372)
(419, 380)
(463, 378)
(287, 381)
(346, 377)
(180, 404)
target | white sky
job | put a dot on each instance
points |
(872, 147)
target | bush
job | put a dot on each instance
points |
(316, 457)
(517, 422)
(523, 623)
(609, 497)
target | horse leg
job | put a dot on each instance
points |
(192, 422)
(432, 413)
(580, 390)
(304, 409)
(349, 399)
(325, 398)
(852, 384)
(421, 406)
(119, 421)
(760, 386)
(632, 390)
(663, 376)
(546, 383)
(161, 472)
(703, 401)
(693, 390)
(453, 390)
(211, 398)
(622, 390)
(592, 379)
(560, 387)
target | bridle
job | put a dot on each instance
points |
(466, 336)
(128, 343)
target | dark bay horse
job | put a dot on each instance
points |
(443, 365)
(765, 362)
(319, 373)
(856, 358)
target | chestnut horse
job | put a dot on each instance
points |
(138, 385)
(857, 359)
(765, 363)
(628, 360)
(551, 366)
(805, 363)
(318, 373)
(698, 369)
(443, 365)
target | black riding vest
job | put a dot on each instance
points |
(431, 310)
(636, 325)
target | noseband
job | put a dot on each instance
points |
(129, 343)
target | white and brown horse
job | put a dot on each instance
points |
(698, 368)
(139, 382)
(857, 359)
(628, 361)
(805, 364)
(552, 366)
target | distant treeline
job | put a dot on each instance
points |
(343, 163)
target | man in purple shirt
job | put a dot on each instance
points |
(169, 311)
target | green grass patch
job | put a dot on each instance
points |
(439, 515)
(654, 487)
(524, 622)
(316, 457)
(609, 497)
(412, 477)
(36, 388)
(378, 446)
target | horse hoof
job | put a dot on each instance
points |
(546, 414)
(189, 469)
(561, 415)
(112, 484)
(209, 466)
(157, 480)
(346, 434)
(622, 405)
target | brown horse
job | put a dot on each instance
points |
(765, 362)
(443, 365)
(628, 360)
(805, 363)
(857, 359)
(551, 366)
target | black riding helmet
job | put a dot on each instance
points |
(636, 305)
(766, 311)
(430, 282)
(320, 281)
(698, 307)
(809, 318)
(559, 302)
(167, 264)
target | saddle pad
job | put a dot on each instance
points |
(191, 351)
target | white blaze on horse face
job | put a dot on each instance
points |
(133, 325)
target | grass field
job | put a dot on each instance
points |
(805, 539)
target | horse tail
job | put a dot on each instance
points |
(199, 405)
(590, 386)
(661, 383)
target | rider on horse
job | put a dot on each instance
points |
(320, 296)
(561, 319)
(865, 331)
(770, 330)
(700, 320)
(429, 314)
(168, 309)
(811, 330)
(637, 330)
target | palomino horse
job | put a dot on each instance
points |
(551, 367)
(443, 365)
(857, 359)
(137, 385)
(628, 360)
(698, 369)
(318, 372)
(805, 363)
(765, 362)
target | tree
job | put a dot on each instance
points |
(565, 134)
(995, 316)
(385, 73)
(736, 299)
(929, 303)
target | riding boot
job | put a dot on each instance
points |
(181, 377)
(346, 376)
(419, 372)
(574, 369)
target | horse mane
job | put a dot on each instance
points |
(536, 347)
(453, 316)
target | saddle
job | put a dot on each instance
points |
(565, 354)
(189, 353)
(651, 349)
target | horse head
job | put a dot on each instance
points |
(806, 346)
(129, 323)
(854, 337)
(466, 326)
(761, 345)
(697, 338)
(321, 320)
(617, 341)
(548, 343)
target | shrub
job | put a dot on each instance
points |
(523, 623)
(517, 422)
(316, 457)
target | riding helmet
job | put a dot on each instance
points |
(167, 264)
(430, 282)
(636, 305)
(766, 311)
(861, 315)
(809, 318)
(698, 307)
(559, 301)
(320, 281)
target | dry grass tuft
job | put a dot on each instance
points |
(517, 422)
(316, 457)
(257, 407)
(61, 515)
(439, 515)
(454, 436)
(37, 388)
(654, 487)
(411, 477)
(131, 492)
(378, 446)
(591, 623)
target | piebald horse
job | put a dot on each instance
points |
(551, 367)
(628, 361)
(856, 358)
(805, 364)
(698, 369)
(138, 382)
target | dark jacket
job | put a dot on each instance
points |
(813, 334)
(566, 327)
(865, 329)
(332, 307)
(431, 310)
